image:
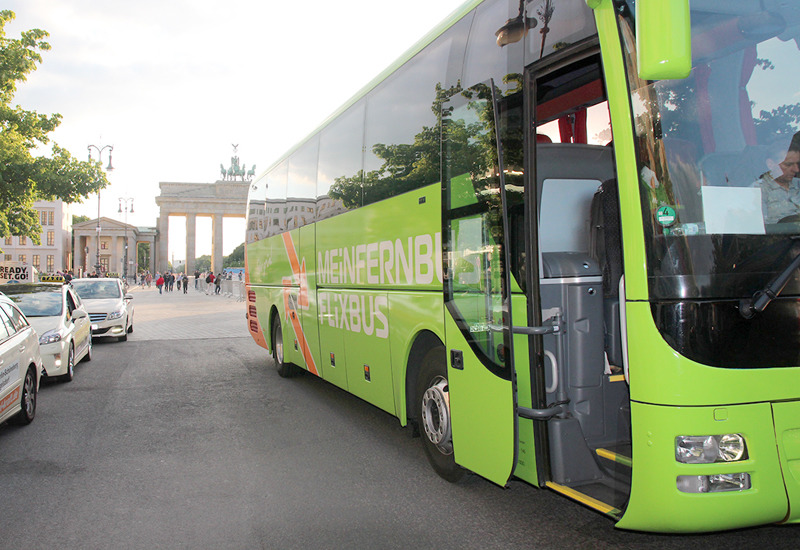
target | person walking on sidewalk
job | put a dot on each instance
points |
(159, 283)
(217, 283)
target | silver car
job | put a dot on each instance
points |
(20, 365)
(56, 313)
(110, 308)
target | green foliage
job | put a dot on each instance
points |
(142, 256)
(203, 263)
(25, 178)
(79, 219)
(235, 259)
(405, 166)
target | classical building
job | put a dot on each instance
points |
(216, 200)
(103, 242)
(54, 253)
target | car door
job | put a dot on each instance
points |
(81, 326)
(11, 367)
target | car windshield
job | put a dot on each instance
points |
(93, 290)
(719, 153)
(36, 300)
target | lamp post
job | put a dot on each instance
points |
(109, 168)
(125, 201)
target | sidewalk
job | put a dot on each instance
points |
(178, 316)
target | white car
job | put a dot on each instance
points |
(20, 365)
(110, 308)
(56, 313)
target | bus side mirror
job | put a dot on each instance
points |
(663, 39)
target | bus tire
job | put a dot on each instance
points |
(285, 370)
(433, 413)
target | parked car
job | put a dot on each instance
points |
(20, 365)
(110, 308)
(57, 314)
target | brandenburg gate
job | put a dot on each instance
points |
(216, 200)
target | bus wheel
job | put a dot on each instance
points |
(433, 412)
(285, 370)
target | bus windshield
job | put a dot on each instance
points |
(719, 153)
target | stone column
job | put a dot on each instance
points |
(91, 242)
(191, 242)
(79, 255)
(162, 250)
(216, 244)
(117, 259)
(131, 255)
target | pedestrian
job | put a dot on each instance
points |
(159, 283)
(185, 283)
(196, 278)
(217, 283)
(209, 282)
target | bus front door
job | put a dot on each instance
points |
(480, 374)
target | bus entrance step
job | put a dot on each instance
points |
(618, 456)
(583, 498)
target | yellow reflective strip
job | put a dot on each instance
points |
(584, 499)
(616, 378)
(616, 457)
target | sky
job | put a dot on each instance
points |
(173, 84)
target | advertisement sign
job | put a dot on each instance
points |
(16, 272)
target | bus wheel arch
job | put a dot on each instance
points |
(285, 369)
(429, 406)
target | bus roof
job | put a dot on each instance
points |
(432, 35)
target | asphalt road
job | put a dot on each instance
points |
(185, 437)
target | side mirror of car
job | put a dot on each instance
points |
(79, 314)
(128, 297)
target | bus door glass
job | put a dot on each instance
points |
(479, 373)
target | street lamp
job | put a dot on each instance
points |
(125, 201)
(109, 168)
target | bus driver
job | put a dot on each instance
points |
(780, 191)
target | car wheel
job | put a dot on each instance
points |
(432, 402)
(88, 356)
(70, 374)
(285, 370)
(28, 411)
(124, 337)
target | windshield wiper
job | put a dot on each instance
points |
(759, 301)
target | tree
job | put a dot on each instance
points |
(235, 259)
(79, 219)
(203, 263)
(143, 256)
(25, 178)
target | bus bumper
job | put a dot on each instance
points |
(662, 501)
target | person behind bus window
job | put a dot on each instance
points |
(780, 189)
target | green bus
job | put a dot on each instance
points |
(558, 240)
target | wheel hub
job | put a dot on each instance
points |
(436, 415)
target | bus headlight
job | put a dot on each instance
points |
(717, 483)
(707, 449)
